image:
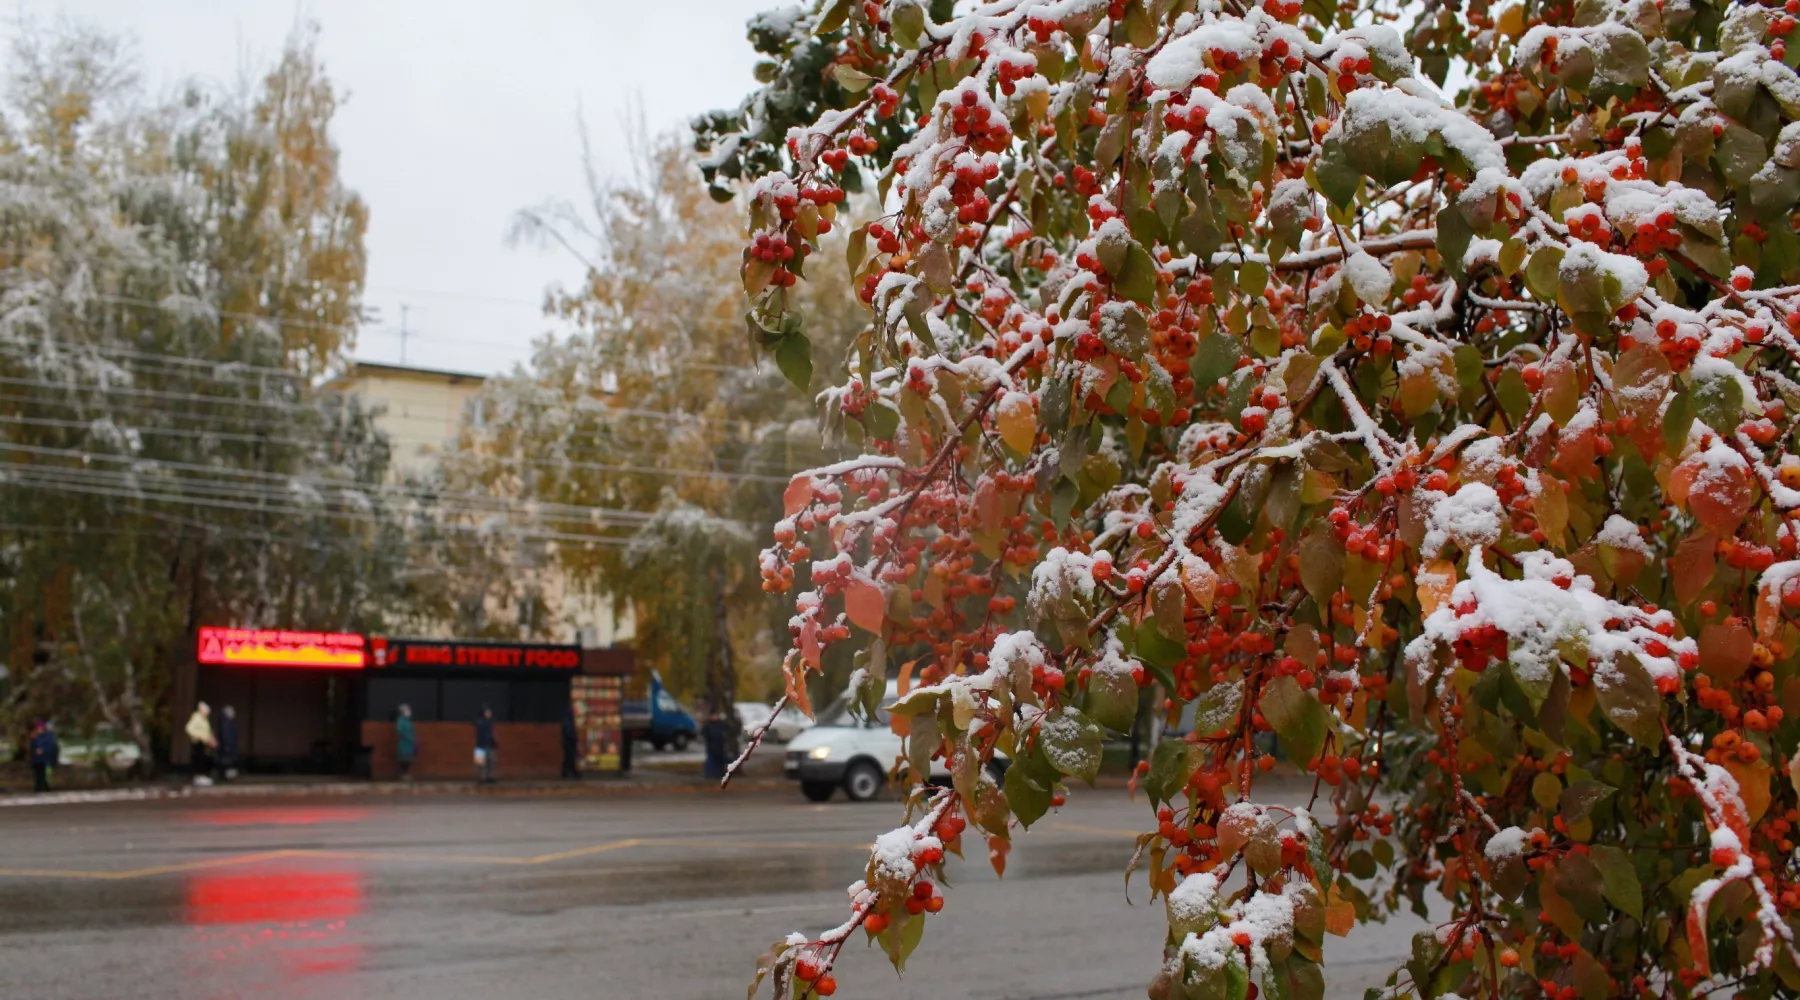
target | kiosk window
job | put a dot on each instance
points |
(539, 701)
(387, 694)
(463, 700)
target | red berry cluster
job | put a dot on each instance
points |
(1367, 331)
(1478, 645)
(1349, 68)
(773, 248)
(1011, 70)
(1681, 346)
(887, 100)
(976, 121)
(1042, 27)
(966, 191)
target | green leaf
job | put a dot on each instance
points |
(1333, 176)
(1514, 396)
(1719, 400)
(1578, 881)
(794, 357)
(1678, 419)
(1170, 765)
(1542, 274)
(1112, 699)
(907, 24)
(1321, 565)
(1217, 708)
(835, 17)
(1030, 782)
(1215, 358)
(1157, 649)
(1297, 716)
(852, 79)
(1628, 697)
(1619, 879)
(1072, 743)
(1577, 802)
(1137, 281)
(1469, 369)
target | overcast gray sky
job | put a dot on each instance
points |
(460, 113)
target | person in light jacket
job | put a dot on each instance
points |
(201, 743)
(406, 742)
(46, 753)
(485, 745)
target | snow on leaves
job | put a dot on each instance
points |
(1444, 435)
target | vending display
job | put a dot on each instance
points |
(596, 701)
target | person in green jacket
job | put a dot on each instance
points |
(406, 743)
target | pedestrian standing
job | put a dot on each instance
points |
(712, 732)
(46, 753)
(406, 742)
(570, 739)
(201, 743)
(485, 745)
(228, 744)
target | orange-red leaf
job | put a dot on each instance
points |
(866, 605)
(797, 495)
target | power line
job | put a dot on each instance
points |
(353, 330)
(115, 350)
(674, 416)
(272, 499)
(193, 434)
(195, 501)
(326, 481)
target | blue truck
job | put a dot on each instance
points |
(658, 718)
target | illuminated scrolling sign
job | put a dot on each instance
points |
(257, 647)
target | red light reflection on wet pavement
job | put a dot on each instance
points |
(276, 932)
(283, 816)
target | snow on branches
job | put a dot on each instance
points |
(1271, 387)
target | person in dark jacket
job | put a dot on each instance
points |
(46, 753)
(570, 739)
(485, 745)
(712, 733)
(227, 763)
(406, 742)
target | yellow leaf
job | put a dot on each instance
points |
(1434, 583)
(1199, 580)
(1753, 785)
(1017, 422)
(1340, 914)
(1546, 790)
(1551, 505)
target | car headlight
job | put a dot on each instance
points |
(819, 753)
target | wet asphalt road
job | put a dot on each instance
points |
(646, 895)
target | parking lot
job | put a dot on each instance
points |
(625, 895)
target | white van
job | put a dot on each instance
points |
(843, 751)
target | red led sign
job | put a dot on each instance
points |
(476, 655)
(247, 647)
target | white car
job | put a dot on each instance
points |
(789, 722)
(841, 751)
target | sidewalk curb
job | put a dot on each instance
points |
(353, 789)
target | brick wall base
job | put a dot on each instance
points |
(527, 750)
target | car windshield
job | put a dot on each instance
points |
(838, 713)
